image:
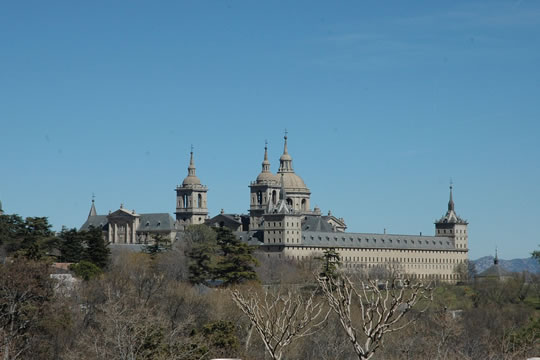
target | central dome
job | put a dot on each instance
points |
(293, 181)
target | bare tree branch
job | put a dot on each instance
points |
(382, 306)
(281, 317)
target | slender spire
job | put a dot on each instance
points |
(93, 211)
(191, 167)
(451, 201)
(266, 163)
(496, 259)
(191, 178)
(285, 161)
(285, 147)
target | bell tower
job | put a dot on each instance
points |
(264, 192)
(191, 206)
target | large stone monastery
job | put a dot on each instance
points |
(282, 224)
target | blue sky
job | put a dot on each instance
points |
(384, 103)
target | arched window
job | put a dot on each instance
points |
(304, 204)
(259, 197)
(185, 199)
(274, 197)
(289, 201)
(199, 201)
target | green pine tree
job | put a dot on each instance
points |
(331, 263)
(85, 270)
(35, 240)
(71, 245)
(202, 260)
(12, 228)
(236, 263)
(97, 251)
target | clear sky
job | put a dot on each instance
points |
(384, 103)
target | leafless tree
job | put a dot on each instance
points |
(25, 291)
(282, 316)
(382, 307)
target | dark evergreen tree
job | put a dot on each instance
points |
(236, 263)
(160, 244)
(97, 250)
(32, 238)
(85, 270)
(199, 242)
(71, 245)
(202, 260)
(12, 227)
(331, 263)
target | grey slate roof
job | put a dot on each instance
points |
(156, 222)
(95, 221)
(376, 241)
(147, 222)
(316, 223)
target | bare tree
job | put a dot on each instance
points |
(25, 292)
(281, 317)
(382, 307)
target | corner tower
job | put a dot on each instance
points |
(191, 207)
(452, 226)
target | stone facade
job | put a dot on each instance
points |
(127, 227)
(282, 224)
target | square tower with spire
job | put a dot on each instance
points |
(191, 205)
(452, 226)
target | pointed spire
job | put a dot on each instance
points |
(451, 201)
(266, 163)
(191, 167)
(285, 146)
(285, 161)
(93, 211)
(191, 178)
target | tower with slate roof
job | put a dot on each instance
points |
(452, 226)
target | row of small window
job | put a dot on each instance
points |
(458, 231)
(402, 260)
(279, 232)
(287, 241)
(377, 251)
(398, 241)
(279, 224)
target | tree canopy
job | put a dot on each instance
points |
(219, 255)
